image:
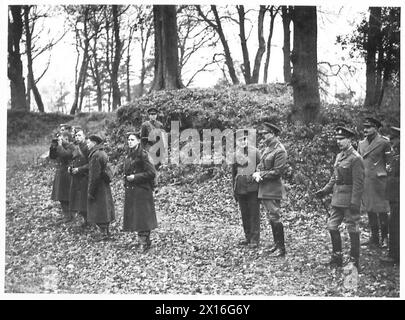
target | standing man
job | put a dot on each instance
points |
(100, 205)
(347, 183)
(61, 150)
(79, 171)
(393, 198)
(148, 126)
(377, 153)
(271, 189)
(245, 190)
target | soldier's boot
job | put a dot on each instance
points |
(374, 240)
(104, 233)
(280, 251)
(144, 241)
(336, 257)
(384, 229)
(273, 247)
(355, 248)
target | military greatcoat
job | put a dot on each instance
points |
(376, 156)
(100, 205)
(78, 186)
(139, 206)
(61, 183)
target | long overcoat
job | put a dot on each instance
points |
(271, 167)
(79, 184)
(376, 155)
(139, 206)
(347, 181)
(100, 204)
(392, 191)
(61, 182)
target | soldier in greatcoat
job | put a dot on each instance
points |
(245, 190)
(79, 170)
(347, 184)
(100, 205)
(139, 205)
(392, 194)
(148, 126)
(271, 188)
(61, 150)
(377, 153)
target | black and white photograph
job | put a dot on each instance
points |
(199, 150)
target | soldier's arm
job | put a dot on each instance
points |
(64, 151)
(280, 162)
(358, 181)
(329, 186)
(388, 153)
(149, 171)
(94, 176)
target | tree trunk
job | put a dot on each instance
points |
(286, 17)
(304, 58)
(273, 13)
(128, 83)
(166, 54)
(218, 28)
(371, 48)
(116, 63)
(15, 68)
(31, 81)
(245, 52)
(83, 68)
(262, 46)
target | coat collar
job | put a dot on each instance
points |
(94, 149)
(371, 146)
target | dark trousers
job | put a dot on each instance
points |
(378, 222)
(394, 231)
(250, 210)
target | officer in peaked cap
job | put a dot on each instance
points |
(269, 127)
(64, 127)
(377, 153)
(271, 188)
(347, 183)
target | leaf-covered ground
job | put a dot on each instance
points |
(194, 250)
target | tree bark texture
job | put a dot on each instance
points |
(286, 17)
(31, 81)
(371, 49)
(166, 76)
(117, 58)
(14, 67)
(304, 58)
(243, 42)
(273, 13)
(262, 45)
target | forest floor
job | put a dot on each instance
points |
(194, 252)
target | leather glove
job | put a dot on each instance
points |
(354, 208)
(319, 193)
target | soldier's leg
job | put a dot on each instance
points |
(144, 240)
(273, 212)
(254, 217)
(383, 220)
(334, 221)
(352, 223)
(374, 229)
(244, 210)
(67, 214)
(393, 249)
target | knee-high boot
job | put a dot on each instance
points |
(274, 231)
(337, 257)
(280, 251)
(355, 248)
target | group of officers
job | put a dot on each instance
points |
(366, 179)
(83, 176)
(362, 180)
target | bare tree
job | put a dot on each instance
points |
(286, 14)
(216, 25)
(262, 45)
(117, 58)
(193, 36)
(15, 68)
(273, 13)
